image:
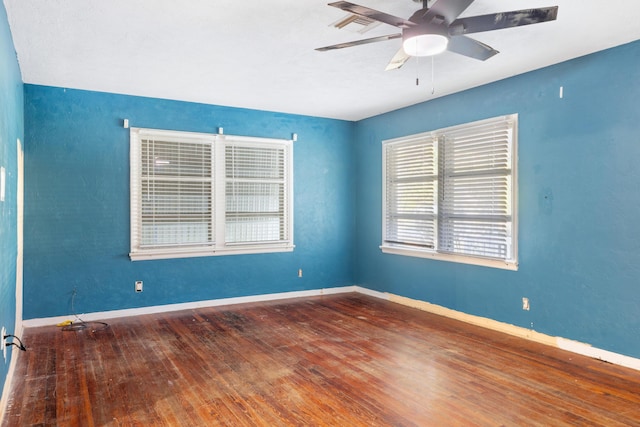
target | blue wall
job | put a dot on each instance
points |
(579, 200)
(77, 205)
(579, 203)
(11, 128)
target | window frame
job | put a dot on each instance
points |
(218, 196)
(439, 135)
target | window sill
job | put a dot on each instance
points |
(202, 252)
(485, 262)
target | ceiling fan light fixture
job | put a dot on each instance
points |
(425, 44)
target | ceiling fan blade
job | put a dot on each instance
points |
(469, 47)
(359, 42)
(448, 9)
(498, 21)
(376, 15)
(398, 60)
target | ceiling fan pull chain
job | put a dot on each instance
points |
(433, 85)
(417, 71)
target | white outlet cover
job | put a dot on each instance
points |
(4, 346)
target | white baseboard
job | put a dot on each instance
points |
(113, 314)
(529, 334)
(372, 293)
(559, 342)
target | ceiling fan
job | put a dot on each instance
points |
(432, 30)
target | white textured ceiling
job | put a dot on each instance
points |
(260, 54)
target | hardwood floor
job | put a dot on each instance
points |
(341, 360)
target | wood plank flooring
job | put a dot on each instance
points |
(340, 360)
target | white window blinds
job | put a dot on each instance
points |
(476, 208)
(450, 194)
(255, 190)
(411, 192)
(176, 198)
(201, 194)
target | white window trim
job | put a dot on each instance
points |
(461, 259)
(404, 250)
(219, 247)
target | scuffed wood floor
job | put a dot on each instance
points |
(341, 360)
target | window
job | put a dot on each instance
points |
(198, 194)
(450, 194)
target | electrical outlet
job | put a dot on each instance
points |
(299, 272)
(525, 304)
(138, 285)
(4, 343)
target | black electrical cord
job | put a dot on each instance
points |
(80, 324)
(9, 344)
